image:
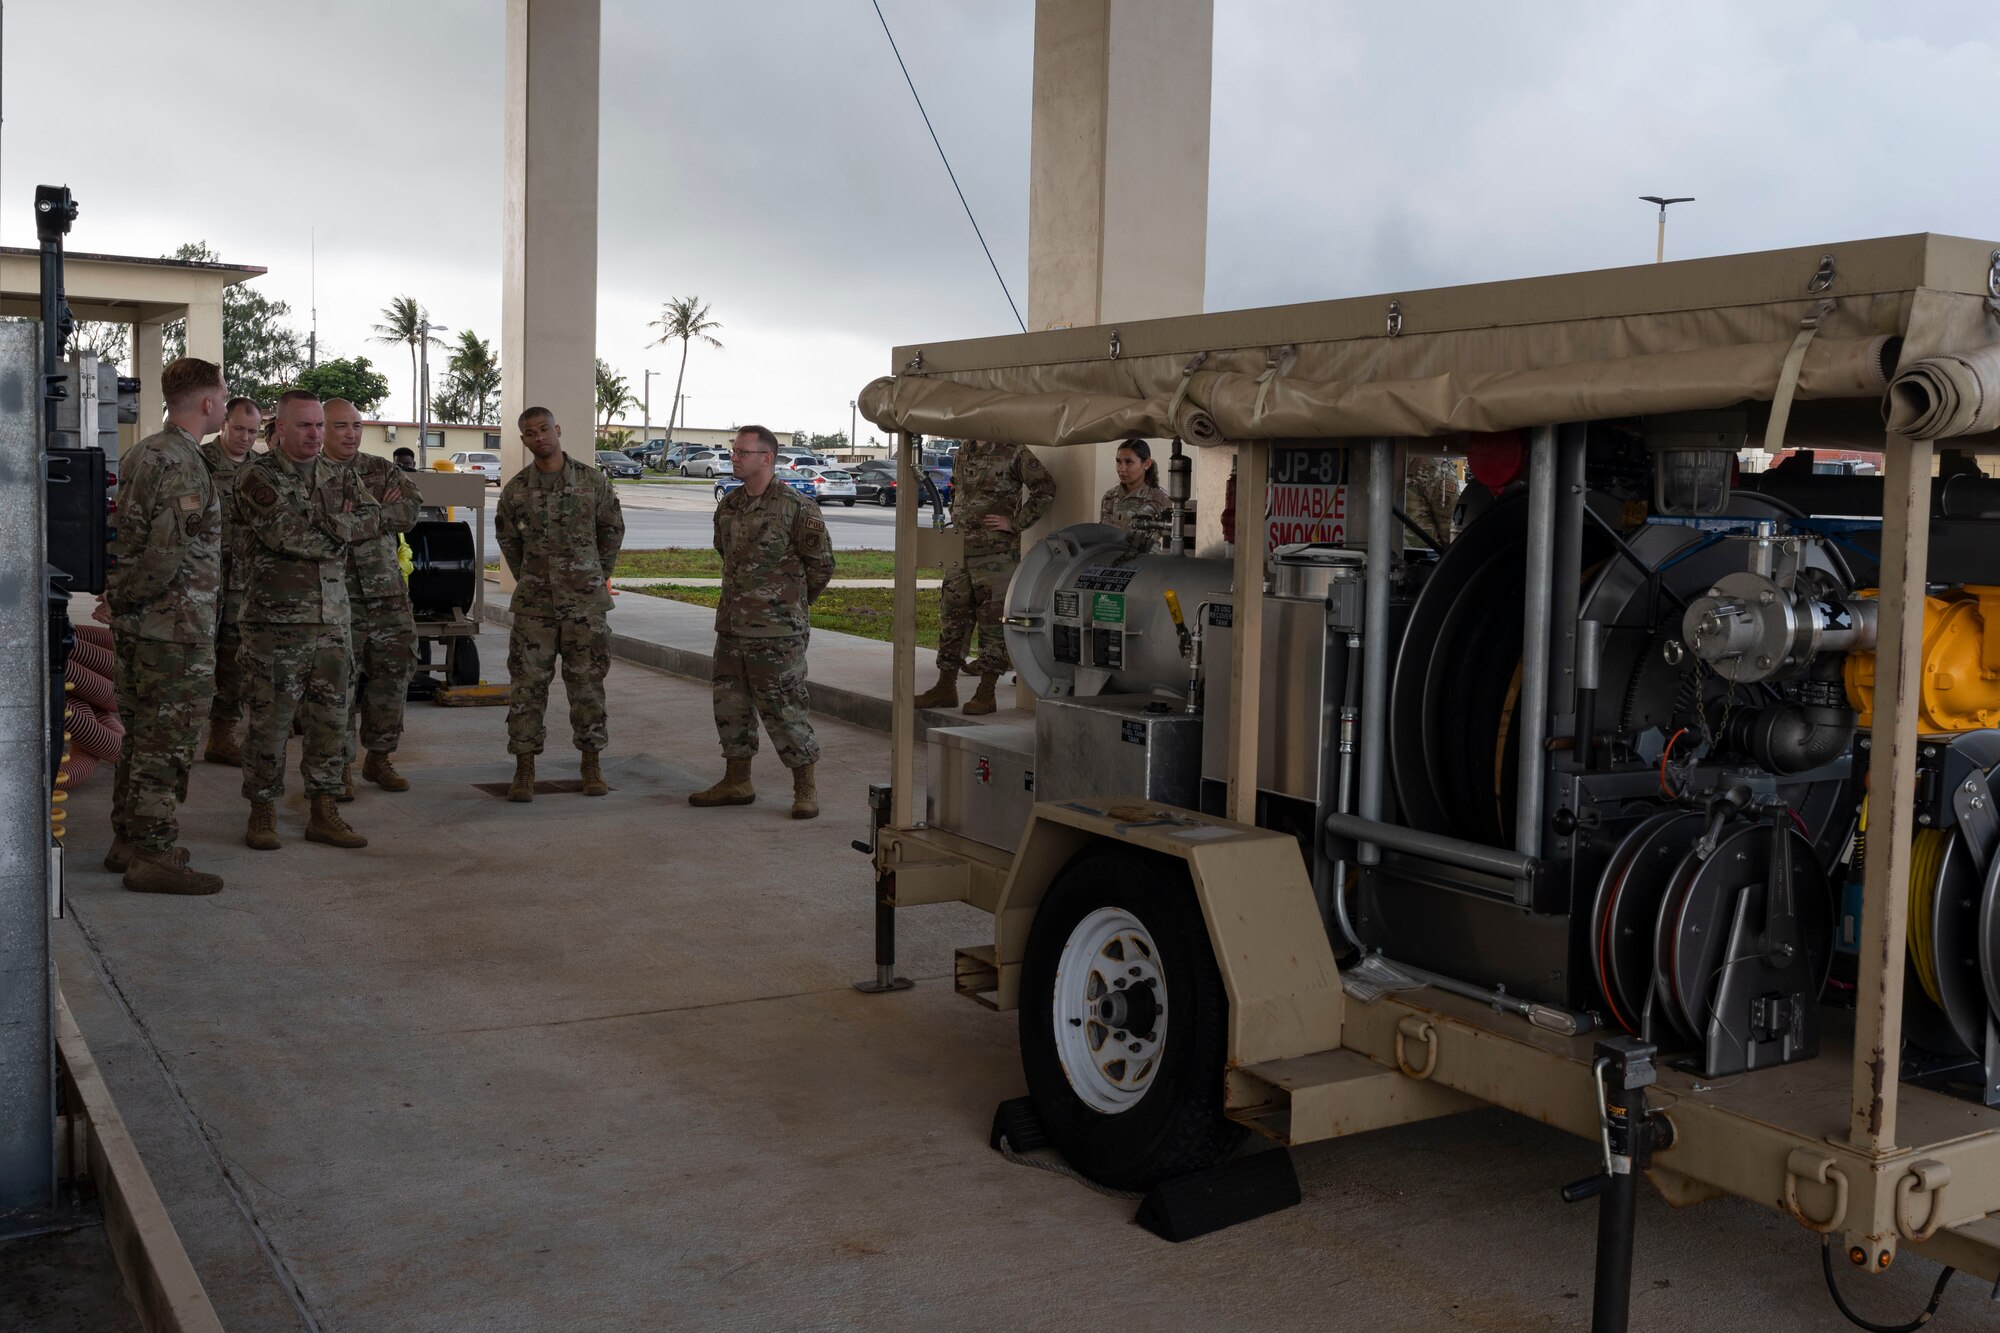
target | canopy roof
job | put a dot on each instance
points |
(1921, 312)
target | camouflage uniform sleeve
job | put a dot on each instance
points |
(815, 550)
(507, 528)
(610, 523)
(359, 516)
(149, 531)
(399, 515)
(278, 527)
(1038, 486)
(718, 526)
(1104, 506)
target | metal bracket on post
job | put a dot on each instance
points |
(1620, 1074)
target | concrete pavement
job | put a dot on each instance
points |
(596, 1065)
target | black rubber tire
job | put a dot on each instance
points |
(465, 666)
(848, 503)
(1178, 1126)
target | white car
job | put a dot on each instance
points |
(485, 464)
(829, 484)
(710, 463)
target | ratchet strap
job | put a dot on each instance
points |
(1180, 394)
(1788, 376)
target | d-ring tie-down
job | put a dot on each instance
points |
(1927, 1176)
(1818, 1167)
(1412, 1028)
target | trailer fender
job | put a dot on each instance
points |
(1256, 899)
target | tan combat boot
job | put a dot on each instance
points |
(981, 701)
(805, 796)
(328, 827)
(119, 857)
(593, 776)
(944, 694)
(522, 788)
(377, 769)
(734, 789)
(346, 792)
(262, 835)
(168, 872)
(223, 746)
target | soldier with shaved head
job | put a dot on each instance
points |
(383, 631)
(301, 514)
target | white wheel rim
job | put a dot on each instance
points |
(1108, 983)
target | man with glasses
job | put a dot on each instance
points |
(560, 528)
(776, 560)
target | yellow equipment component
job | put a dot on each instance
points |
(1926, 860)
(404, 560)
(1960, 682)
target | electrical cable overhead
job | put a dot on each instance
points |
(947, 165)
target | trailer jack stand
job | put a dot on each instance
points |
(1622, 1072)
(885, 978)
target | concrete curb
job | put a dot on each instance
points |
(863, 710)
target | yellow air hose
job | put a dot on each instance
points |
(1926, 863)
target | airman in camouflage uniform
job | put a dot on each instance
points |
(998, 492)
(1137, 496)
(301, 513)
(776, 560)
(560, 527)
(1430, 495)
(164, 591)
(225, 455)
(383, 631)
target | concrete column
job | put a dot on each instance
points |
(1118, 183)
(147, 355)
(204, 331)
(548, 310)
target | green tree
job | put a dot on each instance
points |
(351, 378)
(261, 352)
(683, 319)
(824, 444)
(471, 384)
(106, 342)
(402, 322)
(614, 394)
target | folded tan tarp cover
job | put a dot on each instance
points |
(1625, 342)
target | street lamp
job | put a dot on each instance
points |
(424, 331)
(646, 432)
(1660, 250)
(853, 423)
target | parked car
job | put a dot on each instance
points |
(645, 453)
(875, 482)
(485, 464)
(797, 481)
(829, 484)
(670, 458)
(707, 463)
(614, 465)
(790, 457)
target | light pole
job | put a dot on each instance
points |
(1660, 249)
(646, 432)
(853, 423)
(424, 331)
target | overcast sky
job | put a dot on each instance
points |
(766, 156)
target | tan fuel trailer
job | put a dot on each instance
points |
(1655, 807)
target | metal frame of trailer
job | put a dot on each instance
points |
(1836, 1143)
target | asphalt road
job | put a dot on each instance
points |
(659, 515)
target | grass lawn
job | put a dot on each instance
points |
(869, 612)
(691, 562)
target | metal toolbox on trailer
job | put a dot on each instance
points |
(1118, 745)
(981, 782)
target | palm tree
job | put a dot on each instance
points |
(684, 318)
(614, 393)
(475, 375)
(402, 322)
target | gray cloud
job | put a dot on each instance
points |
(768, 157)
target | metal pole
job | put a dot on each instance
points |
(423, 395)
(1384, 537)
(853, 424)
(1534, 714)
(27, 998)
(1660, 249)
(646, 424)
